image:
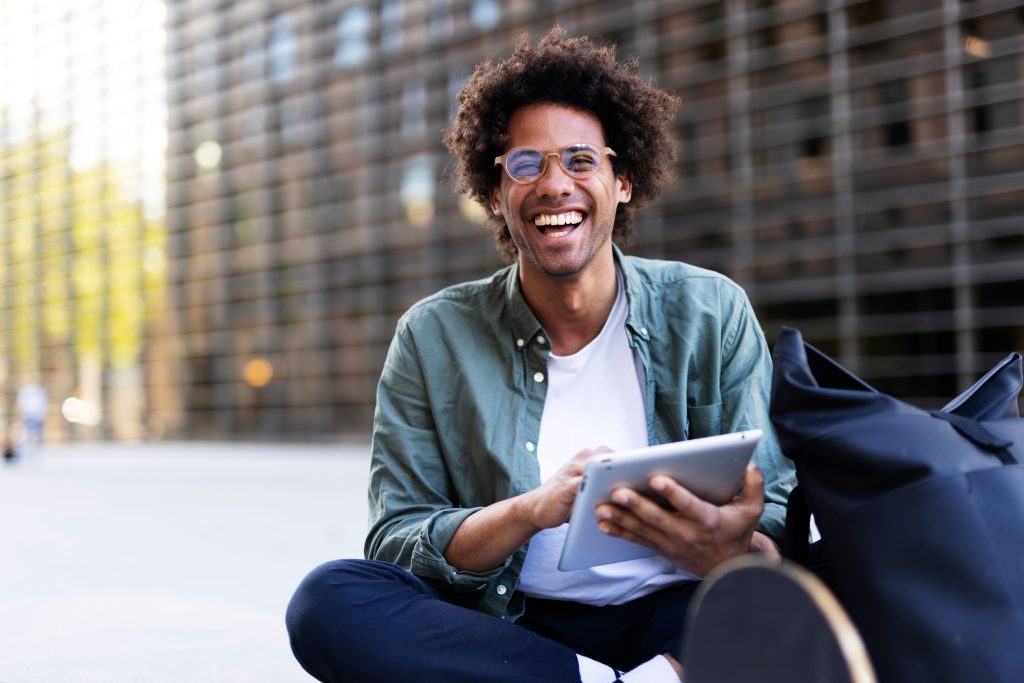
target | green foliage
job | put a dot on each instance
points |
(82, 262)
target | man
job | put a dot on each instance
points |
(494, 391)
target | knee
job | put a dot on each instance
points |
(312, 612)
(315, 599)
(333, 604)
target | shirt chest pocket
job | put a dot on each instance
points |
(703, 420)
(684, 421)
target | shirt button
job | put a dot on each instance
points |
(529, 446)
(538, 377)
(502, 590)
(643, 331)
(541, 339)
(520, 342)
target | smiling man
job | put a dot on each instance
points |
(495, 392)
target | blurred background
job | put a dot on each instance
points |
(212, 212)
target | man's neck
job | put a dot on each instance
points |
(571, 310)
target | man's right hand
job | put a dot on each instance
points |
(490, 535)
(550, 504)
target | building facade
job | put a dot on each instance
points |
(857, 166)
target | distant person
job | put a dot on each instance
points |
(493, 390)
(32, 405)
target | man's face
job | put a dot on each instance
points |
(559, 223)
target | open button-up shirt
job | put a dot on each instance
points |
(462, 392)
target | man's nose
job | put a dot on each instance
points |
(554, 181)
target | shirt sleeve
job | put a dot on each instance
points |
(746, 376)
(413, 514)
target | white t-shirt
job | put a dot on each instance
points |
(594, 399)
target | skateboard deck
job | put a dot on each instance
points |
(759, 621)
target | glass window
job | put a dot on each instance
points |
(283, 49)
(441, 24)
(418, 189)
(252, 53)
(353, 37)
(291, 119)
(392, 14)
(414, 109)
(456, 79)
(485, 14)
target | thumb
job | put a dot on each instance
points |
(753, 486)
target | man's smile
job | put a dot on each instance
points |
(556, 224)
(568, 218)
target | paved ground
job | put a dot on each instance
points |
(171, 562)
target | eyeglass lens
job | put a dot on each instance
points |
(579, 161)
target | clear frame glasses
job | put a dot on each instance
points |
(526, 165)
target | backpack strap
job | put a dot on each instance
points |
(798, 528)
(975, 432)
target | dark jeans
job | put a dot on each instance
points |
(363, 620)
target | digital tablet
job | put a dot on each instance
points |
(711, 467)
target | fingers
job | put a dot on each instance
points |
(684, 502)
(625, 533)
(642, 507)
(574, 466)
(693, 534)
(623, 520)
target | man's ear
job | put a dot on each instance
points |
(496, 201)
(624, 188)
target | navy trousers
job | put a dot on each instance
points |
(362, 620)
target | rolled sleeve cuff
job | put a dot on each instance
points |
(428, 559)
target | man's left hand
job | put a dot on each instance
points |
(696, 535)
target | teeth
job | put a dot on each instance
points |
(570, 218)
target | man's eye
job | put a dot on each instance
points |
(582, 162)
(524, 166)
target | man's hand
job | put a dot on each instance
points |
(549, 504)
(488, 536)
(696, 536)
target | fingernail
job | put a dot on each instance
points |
(621, 497)
(604, 527)
(604, 513)
(659, 484)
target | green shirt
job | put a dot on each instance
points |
(462, 392)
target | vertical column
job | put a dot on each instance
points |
(321, 422)
(742, 227)
(101, 373)
(963, 307)
(221, 317)
(843, 191)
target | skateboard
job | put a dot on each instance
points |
(755, 620)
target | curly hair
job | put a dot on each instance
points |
(573, 72)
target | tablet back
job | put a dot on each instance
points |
(711, 467)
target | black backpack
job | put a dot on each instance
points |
(921, 514)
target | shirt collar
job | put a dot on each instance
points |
(524, 324)
(526, 327)
(636, 294)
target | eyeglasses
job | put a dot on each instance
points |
(526, 165)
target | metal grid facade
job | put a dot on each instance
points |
(857, 166)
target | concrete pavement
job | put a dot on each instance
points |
(168, 562)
